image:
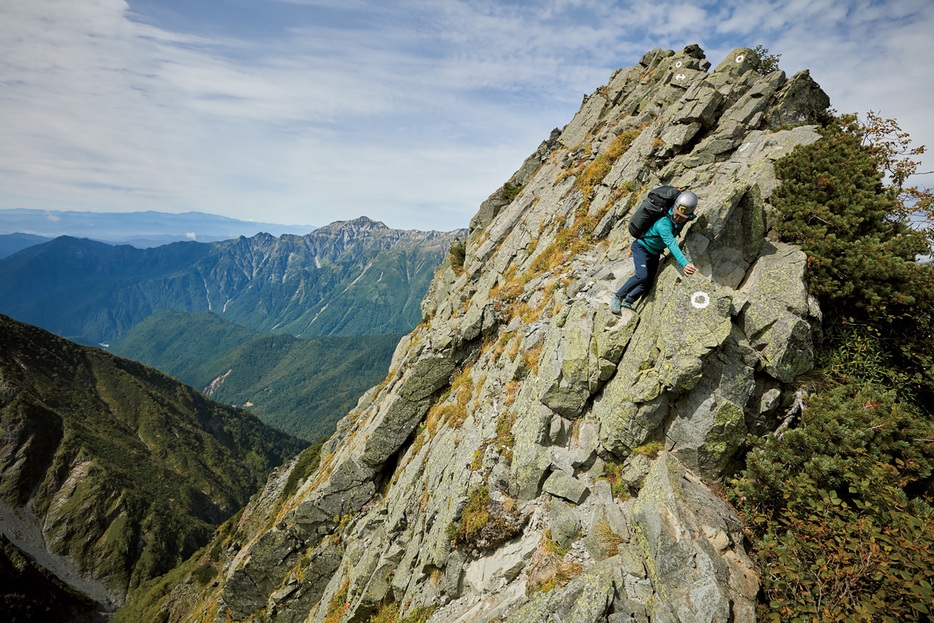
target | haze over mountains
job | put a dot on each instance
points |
(140, 229)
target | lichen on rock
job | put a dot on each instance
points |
(521, 384)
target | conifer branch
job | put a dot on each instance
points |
(797, 408)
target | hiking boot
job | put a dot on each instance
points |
(628, 305)
(615, 305)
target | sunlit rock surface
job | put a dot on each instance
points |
(595, 433)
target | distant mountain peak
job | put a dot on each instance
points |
(140, 229)
(361, 222)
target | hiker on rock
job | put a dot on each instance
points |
(671, 209)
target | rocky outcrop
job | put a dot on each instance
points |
(692, 544)
(520, 400)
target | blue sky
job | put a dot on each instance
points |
(407, 111)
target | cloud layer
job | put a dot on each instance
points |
(409, 112)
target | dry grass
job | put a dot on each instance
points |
(548, 569)
(608, 538)
(532, 358)
(338, 605)
(513, 349)
(387, 613)
(512, 389)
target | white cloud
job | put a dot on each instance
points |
(412, 112)
(686, 16)
(869, 56)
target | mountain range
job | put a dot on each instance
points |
(13, 243)
(751, 441)
(532, 456)
(348, 278)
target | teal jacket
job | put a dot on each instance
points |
(662, 234)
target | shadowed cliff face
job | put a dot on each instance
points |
(531, 455)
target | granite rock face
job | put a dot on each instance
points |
(692, 545)
(520, 397)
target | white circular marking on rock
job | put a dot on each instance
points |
(739, 59)
(700, 300)
(678, 64)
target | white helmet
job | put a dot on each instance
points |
(685, 203)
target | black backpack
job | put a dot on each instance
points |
(655, 206)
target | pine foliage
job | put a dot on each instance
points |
(834, 205)
(839, 508)
(861, 251)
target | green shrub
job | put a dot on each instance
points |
(614, 475)
(418, 614)
(474, 517)
(861, 252)
(505, 440)
(839, 509)
(457, 253)
(650, 449)
(830, 560)
(307, 463)
(510, 191)
(832, 203)
(843, 433)
(767, 62)
(204, 573)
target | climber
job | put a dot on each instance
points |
(647, 249)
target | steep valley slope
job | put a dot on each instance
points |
(300, 386)
(111, 473)
(530, 456)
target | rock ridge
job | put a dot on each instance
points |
(520, 399)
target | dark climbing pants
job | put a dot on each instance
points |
(646, 266)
